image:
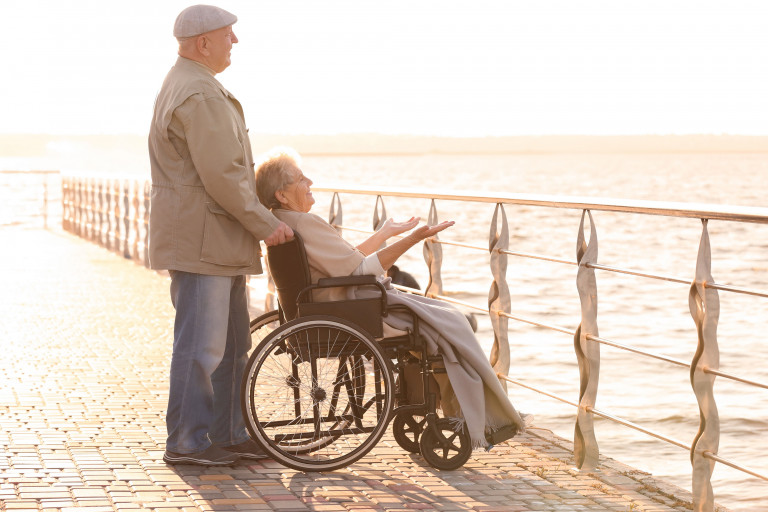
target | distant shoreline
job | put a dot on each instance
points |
(371, 144)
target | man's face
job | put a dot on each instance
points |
(219, 44)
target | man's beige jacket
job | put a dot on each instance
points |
(205, 217)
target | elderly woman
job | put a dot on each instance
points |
(282, 187)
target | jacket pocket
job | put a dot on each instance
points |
(225, 240)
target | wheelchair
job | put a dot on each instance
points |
(323, 382)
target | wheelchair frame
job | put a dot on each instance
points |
(323, 384)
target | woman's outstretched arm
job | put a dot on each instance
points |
(389, 255)
(388, 230)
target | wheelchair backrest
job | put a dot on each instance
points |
(290, 273)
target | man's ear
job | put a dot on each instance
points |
(280, 196)
(202, 45)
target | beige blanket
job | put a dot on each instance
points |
(471, 376)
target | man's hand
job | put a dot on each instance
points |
(280, 235)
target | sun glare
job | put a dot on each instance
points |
(461, 68)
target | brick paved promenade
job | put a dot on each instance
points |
(85, 338)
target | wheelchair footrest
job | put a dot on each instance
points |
(501, 435)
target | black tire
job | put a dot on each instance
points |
(317, 393)
(407, 428)
(262, 325)
(454, 450)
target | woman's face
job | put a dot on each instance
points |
(297, 196)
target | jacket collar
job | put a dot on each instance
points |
(200, 68)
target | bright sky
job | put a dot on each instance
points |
(443, 67)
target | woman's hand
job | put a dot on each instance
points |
(388, 255)
(392, 228)
(425, 232)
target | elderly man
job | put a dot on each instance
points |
(205, 227)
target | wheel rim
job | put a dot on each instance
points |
(407, 429)
(452, 453)
(262, 326)
(324, 392)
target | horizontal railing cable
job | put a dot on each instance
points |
(638, 274)
(628, 348)
(733, 377)
(739, 467)
(637, 427)
(734, 289)
(537, 390)
(538, 257)
(606, 268)
(552, 327)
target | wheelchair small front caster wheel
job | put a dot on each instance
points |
(407, 429)
(448, 451)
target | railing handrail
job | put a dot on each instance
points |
(670, 209)
(33, 171)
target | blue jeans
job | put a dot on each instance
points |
(211, 340)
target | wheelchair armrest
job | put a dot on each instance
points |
(345, 281)
(329, 282)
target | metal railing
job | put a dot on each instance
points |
(114, 213)
(703, 306)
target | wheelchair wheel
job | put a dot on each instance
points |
(262, 325)
(317, 393)
(407, 428)
(448, 451)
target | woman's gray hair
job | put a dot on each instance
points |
(275, 174)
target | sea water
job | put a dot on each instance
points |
(652, 315)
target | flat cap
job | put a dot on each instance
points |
(199, 19)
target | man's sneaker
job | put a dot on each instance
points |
(247, 450)
(212, 456)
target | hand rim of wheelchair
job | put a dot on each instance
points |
(298, 447)
(295, 453)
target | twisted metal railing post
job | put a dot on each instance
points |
(107, 215)
(100, 229)
(78, 209)
(379, 219)
(585, 449)
(498, 296)
(135, 220)
(126, 220)
(335, 217)
(93, 207)
(65, 204)
(116, 215)
(433, 255)
(147, 194)
(90, 195)
(704, 305)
